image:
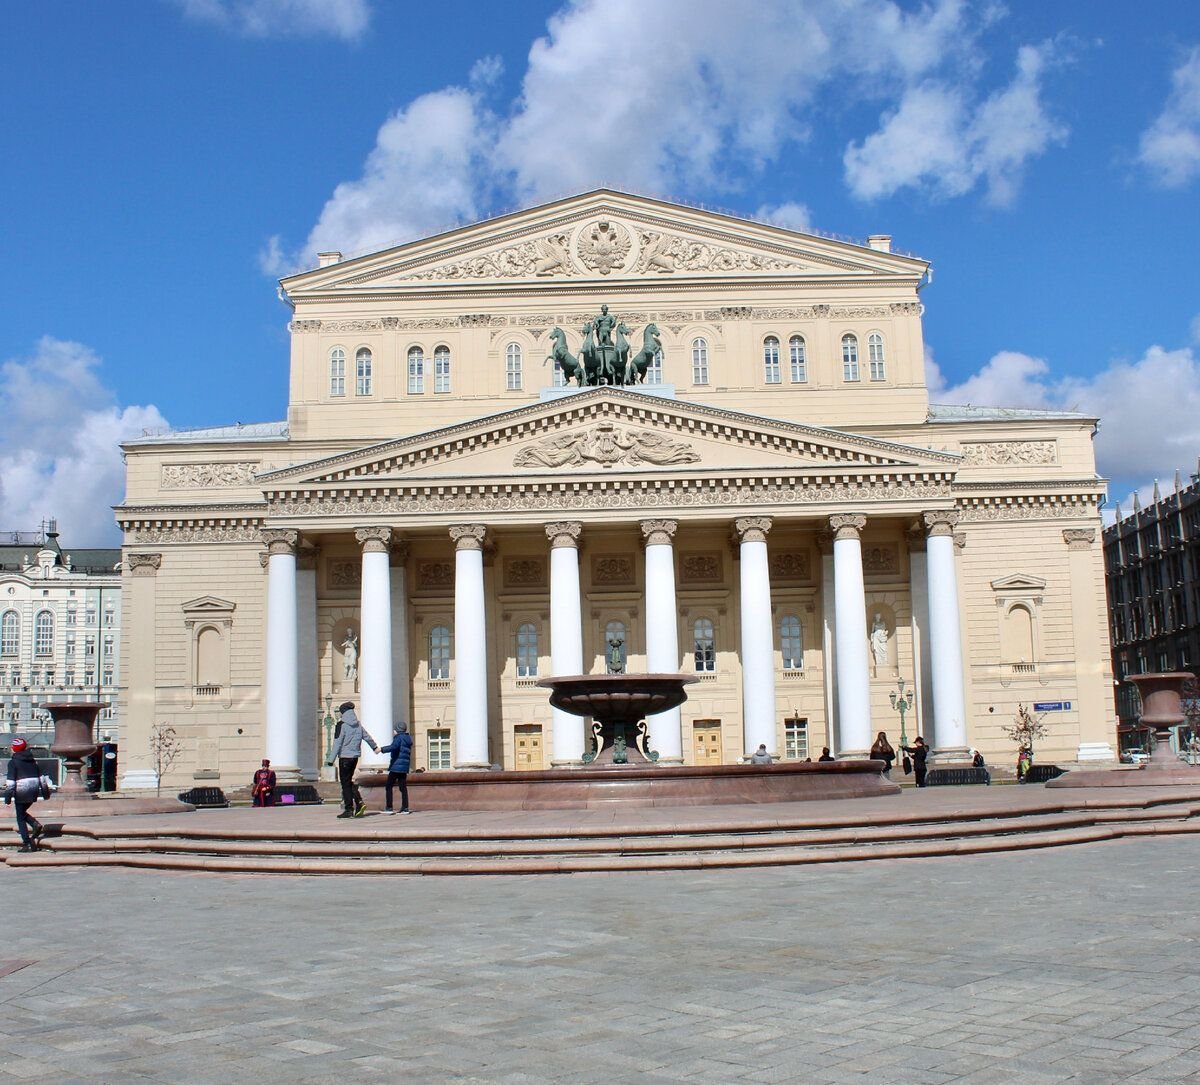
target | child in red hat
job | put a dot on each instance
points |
(24, 787)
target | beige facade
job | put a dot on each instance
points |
(790, 393)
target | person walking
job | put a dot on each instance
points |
(919, 753)
(263, 788)
(401, 750)
(345, 752)
(881, 750)
(1024, 763)
(23, 786)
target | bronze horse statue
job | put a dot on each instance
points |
(637, 366)
(563, 359)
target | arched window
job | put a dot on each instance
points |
(875, 356)
(514, 380)
(771, 360)
(614, 632)
(799, 359)
(791, 643)
(704, 645)
(337, 372)
(699, 361)
(439, 652)
(10, 633)
(362, 372)
(441, 369)
(654, 372)
(849, 358)
(43, 635)
(416, 371)
(527, 650)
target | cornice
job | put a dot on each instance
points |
(1072, 485)
(192, 509)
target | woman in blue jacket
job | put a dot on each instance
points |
(401, 750)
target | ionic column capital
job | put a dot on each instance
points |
(1079, 538)
(143, 564)
(659, 532)
(468, 536)
(752, 528)
(847, 525)
(374, 540)
(280, 540)
(564, 533)
(940, 522)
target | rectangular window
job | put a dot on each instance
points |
(89, 647)
(108, 677)
(90, 614)
(70, 642)
(109, 614)
(72, 615)
(795, 739)
(439, 748)
(69, 678)
(108, 647)
(89, 678)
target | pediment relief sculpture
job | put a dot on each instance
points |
(607, 445)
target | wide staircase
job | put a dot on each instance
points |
(230, 841)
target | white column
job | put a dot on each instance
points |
(308, 710)
(828, 641)
(918, 565)
(401, 681)
(758, 639)
(566, 634)
(375, 641)
(662, 633)
(850, 632)
(283, 654)
(470, 650)
(945, 640)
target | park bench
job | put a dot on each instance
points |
(1039, 774)
(297, 795)
(204, 796)
(966, 774)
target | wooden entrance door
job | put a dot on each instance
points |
(529, 746)
(706, 741)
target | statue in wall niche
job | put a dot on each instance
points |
(879, 641)
(350, 656)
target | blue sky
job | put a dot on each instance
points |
(167, 160)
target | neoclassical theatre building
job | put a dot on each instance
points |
(612, 433)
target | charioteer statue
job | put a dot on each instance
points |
(604, 357)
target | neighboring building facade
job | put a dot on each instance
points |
(60, 628)
(1152, 561)
(778, 509)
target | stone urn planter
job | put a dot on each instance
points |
(74, 726)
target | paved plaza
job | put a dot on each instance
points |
(1072, 964)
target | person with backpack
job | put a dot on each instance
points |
(24, 787)
(401, 750)
(345, 752)
(919, 753)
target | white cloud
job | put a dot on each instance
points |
(346, 19)
(1170, 147)
(1149, 409)
(59, 454)
(675, 96)
(791, 216)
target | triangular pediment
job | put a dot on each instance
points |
(1019, 582)
(600, 237)
(605, 432)
(208, 606)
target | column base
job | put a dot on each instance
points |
(472, 766)
(139, 780)
(669, 761)
(1095, 751)
(286, 774)
(571, 763)
(951, 755)
(853, 755)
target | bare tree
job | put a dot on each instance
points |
(1026, 728)
(165, 746)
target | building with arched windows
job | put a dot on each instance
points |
(776, 507)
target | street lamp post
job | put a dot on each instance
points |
(902, 701)
(327, 722)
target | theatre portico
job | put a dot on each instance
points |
(442, 520)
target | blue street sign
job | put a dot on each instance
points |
(1052, 706)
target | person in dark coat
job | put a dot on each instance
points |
(825, 754)
(23, 786)
(401, 750)
(919, 753)
(881, 750)
(264, 785)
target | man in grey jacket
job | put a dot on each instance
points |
(347, 747)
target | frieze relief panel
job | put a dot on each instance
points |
(1000, 453)
(612, 570)
(700, 569)
(344, 574)
(606, 445)
(435, 575)
(791, 565)
(524, 573)
(204, 476)
(241, 533)
(880, 559)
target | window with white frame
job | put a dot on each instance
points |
(43, 635)
(875, 356)
(849, 357)
(10, 634)
(441, 369)
(438, 744)
(362, 372)
(527, 650)
(89, 647)
(89, 614)
(799, 359)
(72, 614)
(108, 646)
(69, 678)
(108, 677)
(654, 374)
(109, 613)
(89, 678)
(337, 372)
(514, 379)
(614, 632)
(771, 374)
(70, 644)
(704, 645)
(795, 739)
(791, 643)
(699, 361)
(439, 652)
(416, 371)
